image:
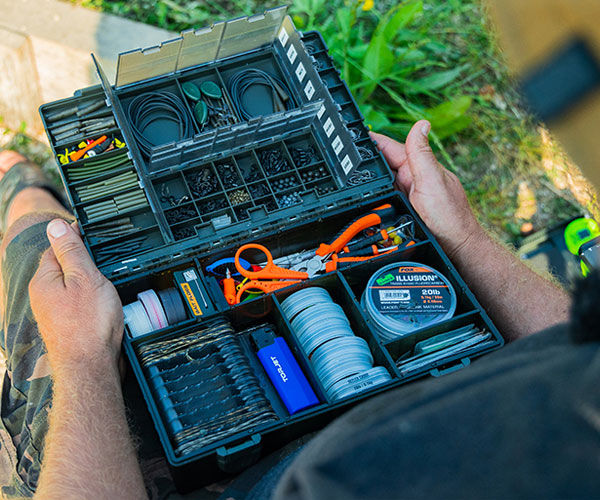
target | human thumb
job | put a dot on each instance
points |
(421, 160)
(68, 248)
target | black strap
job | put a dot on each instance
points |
(562, 81)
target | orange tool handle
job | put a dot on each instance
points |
(380, 235)
(355, 228)
(77, 155)
(265, 286)
(229, 291)
(374, 218)
(332, 265)
(270, 271)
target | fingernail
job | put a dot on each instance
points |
(57, 228)
(425, 129)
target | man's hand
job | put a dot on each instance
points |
(508, 289)
(436, 193)
(88, 452)
(78, 311)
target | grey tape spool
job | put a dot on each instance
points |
(318, 310)
(313, 340)
(344, 365)
(357, 384)
(136, 319)
(303, 299)
(173, 305)
(341, 358)
(333, 357)
(358, 388)
(317, 315)
(315, 327)
(330, 349)
(330, 375)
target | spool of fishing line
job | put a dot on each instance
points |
(404, 297)
(303, 299)
(323, 331)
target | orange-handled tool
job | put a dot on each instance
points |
(265, 286)
(229, 288)
(374, 218)
(335, 261)
(270, 270)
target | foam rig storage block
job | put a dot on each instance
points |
(244, 132)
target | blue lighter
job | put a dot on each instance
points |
(283, 370)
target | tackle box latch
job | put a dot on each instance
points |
(463, 363)
(239, 457)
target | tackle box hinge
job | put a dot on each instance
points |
(447, 369)
(240, 456)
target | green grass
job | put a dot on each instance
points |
(415, 59)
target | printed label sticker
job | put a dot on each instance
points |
(283, 36)
(329, 127)
(300, 72)
(321, 111)
(347, 164)
(190, 275)
(291, 53)
(337, 145)
(309, 90)
(191, 299)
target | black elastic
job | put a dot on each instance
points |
(151, 106)
(172, 303)
(246, 78)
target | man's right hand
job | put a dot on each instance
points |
(78, 311)
(435, 193)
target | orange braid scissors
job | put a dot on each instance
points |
(270, 271)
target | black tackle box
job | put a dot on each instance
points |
(190, 201)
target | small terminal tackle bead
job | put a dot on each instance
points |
(254, 173)
(180, 214)
(186, 232)
(202, 183)
(324, 190)
(287, 200)
(238, 197)
(258, 190)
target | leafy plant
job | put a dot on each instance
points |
(391, 65)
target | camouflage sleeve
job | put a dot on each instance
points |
(26, 383)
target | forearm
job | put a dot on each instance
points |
(519, 301)
(88, 451)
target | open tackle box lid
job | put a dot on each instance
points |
(319, 111)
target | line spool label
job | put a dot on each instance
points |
(410, 290)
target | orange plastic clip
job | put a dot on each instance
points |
(77, 155)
